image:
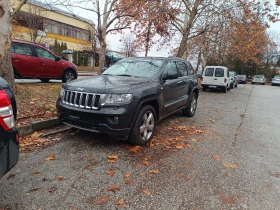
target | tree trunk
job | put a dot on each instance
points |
(198, 62)
(6, 69)
(102, 52)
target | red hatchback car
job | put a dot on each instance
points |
(32, 61)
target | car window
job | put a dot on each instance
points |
(277, 76)
(170, 69)
(231, 74)
(190, 69)
(219, 72)
(209, 72)
(182, 69)
(44, 54)
(20, 48)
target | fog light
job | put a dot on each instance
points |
(116, 118)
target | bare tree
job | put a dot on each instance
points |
(106, 12)
(6, 18)
(32, 19)
(128, 45)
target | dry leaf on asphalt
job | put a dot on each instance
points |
(128, 181)
(50, 157)
(134, 149)
(126, 175)
(146, 163)
(112, 158)
(51, 190)
(100, 199)
(111, 172)
(34, 172)
(120, 202)
(32, 190)
(60, 178)
(114, 188)
(154, 171)
(147, 192)
(36, 135)
(216, 157)
(230, 165)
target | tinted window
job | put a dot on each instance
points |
(182, 70)
(44, 54)
(23, 49)
(137, 68)
(190, 69)
(209, 72)
(170, 70)
(219, 72)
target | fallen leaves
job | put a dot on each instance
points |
(154, 171)
(32, 190)
(34, 172)
(52, 189)
(226, 200)
(60, 178)
(99, 200)
(114, 188)
(230, 165)
(216, 157)
(126, 175)
(147, 192)
(134, 148)
(50, 157)
(112, 158)
(111, 172)
(120, 202)
(128, 181)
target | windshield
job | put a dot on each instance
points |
(241, 76)
(277, 77)
(258, 76)
(231, 74)
(135, 68)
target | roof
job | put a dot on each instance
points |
(56, 9)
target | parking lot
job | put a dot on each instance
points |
(225, 157)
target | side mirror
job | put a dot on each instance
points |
(57, 58)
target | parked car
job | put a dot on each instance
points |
(32, 61)
(275, 80)
(242, 79)
(233, 79)
(259, 79)
(9, 142)
(130, 97)
(216, 77)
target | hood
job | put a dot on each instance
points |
(108, 84)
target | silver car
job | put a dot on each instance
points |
(233, 79)
(259, 79)
(275, 80)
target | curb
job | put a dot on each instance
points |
(37, 126)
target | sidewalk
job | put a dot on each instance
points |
(87, 73)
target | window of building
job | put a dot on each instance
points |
(67, 31)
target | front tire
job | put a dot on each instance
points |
(231, 86)
(190, 110)
(68, 76)
(144, 126)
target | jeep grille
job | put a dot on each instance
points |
(81, 99)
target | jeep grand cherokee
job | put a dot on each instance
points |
(130, 97)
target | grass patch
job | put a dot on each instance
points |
(87, 68)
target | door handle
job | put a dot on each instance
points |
(179, 82)
(42, 62)
(15, 58)
(215, 79)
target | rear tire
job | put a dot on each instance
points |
(190, 110)
(144, 126)
(231, 86)
(45, 80)
(252, 83)
(225, 89)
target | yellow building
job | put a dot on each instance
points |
(44, 23)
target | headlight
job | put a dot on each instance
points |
(115, 98)
(61, 93)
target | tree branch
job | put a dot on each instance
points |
(13, 15)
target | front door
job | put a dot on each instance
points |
(47, 63)
(171, 89)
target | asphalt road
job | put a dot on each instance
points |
(226, 157)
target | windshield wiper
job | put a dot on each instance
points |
(124, 75)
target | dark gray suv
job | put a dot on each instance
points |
(130, 97)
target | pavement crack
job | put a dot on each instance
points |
(242, 116)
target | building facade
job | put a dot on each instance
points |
(44, 24)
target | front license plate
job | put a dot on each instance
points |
(73, 114)
(212, 86)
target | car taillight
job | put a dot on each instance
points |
(225, 80)
(7, 120)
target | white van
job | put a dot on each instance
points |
(216, 77)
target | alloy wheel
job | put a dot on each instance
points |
(147, 125)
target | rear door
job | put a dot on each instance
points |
(219, 76)
(208, 78)
(23, 60)
(185, 78)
